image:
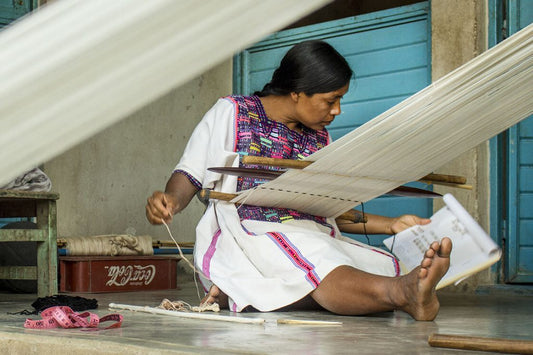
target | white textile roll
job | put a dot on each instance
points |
(114, 245)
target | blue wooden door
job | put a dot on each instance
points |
(389, 52)
(11, 10)
(519, 258)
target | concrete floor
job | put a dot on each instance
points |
(494, 314)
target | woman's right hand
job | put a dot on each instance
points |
(160, 207)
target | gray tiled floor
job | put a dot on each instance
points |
(489, 315)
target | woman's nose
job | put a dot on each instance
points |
(336, 109)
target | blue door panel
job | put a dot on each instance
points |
(525, 9)
(393, 34)
(526, 178)
(525, 264)
(526, 226)
(379, 61)
(389, 53)
(525, 145)
(397, 84)
(525, 207)
(261, 62)
(526, 128)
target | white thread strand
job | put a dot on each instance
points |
(195, 270)
(181, 253)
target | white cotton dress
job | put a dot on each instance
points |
(266, 265)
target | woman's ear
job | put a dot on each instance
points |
(295, 96)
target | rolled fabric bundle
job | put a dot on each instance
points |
(113, 245)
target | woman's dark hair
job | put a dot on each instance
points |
(310, 67)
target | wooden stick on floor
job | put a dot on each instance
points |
(218, 317)
(481, 344)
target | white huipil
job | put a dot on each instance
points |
(261, 264)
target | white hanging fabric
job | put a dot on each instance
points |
(412, 139)
(73, 68)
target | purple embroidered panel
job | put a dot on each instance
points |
(258, 135)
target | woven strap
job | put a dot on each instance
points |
(65, 317)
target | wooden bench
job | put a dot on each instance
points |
(42, 206)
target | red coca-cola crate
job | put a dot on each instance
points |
(117, 273)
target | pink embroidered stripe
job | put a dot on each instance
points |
(206, 263)
(395, 262)
(296, 257)
(393, 259)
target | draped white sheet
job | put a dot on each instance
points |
(461, 110)
(75, 67)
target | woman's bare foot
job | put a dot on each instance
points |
(215, 295)
(420, 299)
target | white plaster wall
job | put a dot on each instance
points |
(104, 182)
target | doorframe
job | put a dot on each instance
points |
(497, 148)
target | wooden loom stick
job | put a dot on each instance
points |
(480, 343)
(306, 322)
(444, 178)
(62, 242)
(218, 317)
(460, 186)
(204, 316)
(205, 194)
(282, 163)
(449, 180)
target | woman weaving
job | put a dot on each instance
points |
(270, 258)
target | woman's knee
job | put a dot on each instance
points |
(332, 291)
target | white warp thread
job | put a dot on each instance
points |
(475, 102)
(73, 68)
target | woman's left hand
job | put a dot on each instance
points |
(405, 221)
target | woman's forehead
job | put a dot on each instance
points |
(339, 92)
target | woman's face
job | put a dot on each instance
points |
(319, 110)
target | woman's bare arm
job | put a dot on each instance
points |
(161, 206)
(380, 224)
